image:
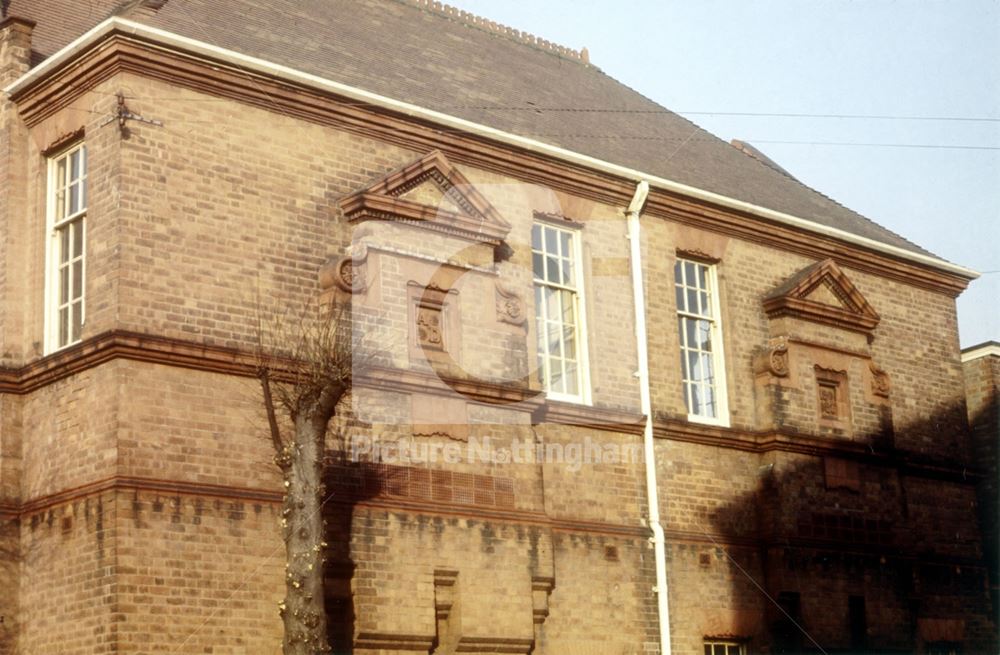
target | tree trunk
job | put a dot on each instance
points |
(304, 610)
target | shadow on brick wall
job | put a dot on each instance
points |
(348, 483)
(871, 550)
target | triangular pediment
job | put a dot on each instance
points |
(825, 294)
(430, 193)
(822, 293)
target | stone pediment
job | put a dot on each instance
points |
(822, 293)
(429, 193)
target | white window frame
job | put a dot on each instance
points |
(716, 338)
(711, 647)
(53, 230)
(579, 315)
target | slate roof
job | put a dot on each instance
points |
(412, 52)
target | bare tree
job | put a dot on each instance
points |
(305, 369)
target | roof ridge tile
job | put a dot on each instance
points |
(487, 25)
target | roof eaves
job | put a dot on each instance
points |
(986, 349)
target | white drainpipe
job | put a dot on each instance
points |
(659, 543)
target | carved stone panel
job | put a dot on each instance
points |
(434, 328)
(833, 401)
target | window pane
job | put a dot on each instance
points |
(706, 368)
(78, 279)
(74, 166)
(693, 368)
(689, 273)
(77, 315)
(64, 326)
(61, 173)
(553, 305)
(556, 380)
(64, 285)
(555, 340)
(551, 241)
(74, 198)
(704, 335)
(552, 270)
(569, 342)
(77, 228)
(695, 405)
(536, 237)
(83, 160)
(567, 272)
(691, 332)
(537, 265)
(568, 310)
(63, 245)
(83, 195)
(707, 401)
(572, 382)
(692, 301)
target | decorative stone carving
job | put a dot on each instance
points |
(509, 305)
(828, 403)
(833, 407)
(777, 360)
(348, 273)
(429, 327)
(773, 360)
(434, 327)
(881, 385)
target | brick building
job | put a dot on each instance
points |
(747, 400)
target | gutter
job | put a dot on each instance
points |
(248, 63)
(649, 452)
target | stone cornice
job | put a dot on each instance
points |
(368, 206)
(816, 446)
(119, 51)
(587, 416)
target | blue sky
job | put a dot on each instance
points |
(905, 59)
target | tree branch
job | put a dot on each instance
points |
(272, 418)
